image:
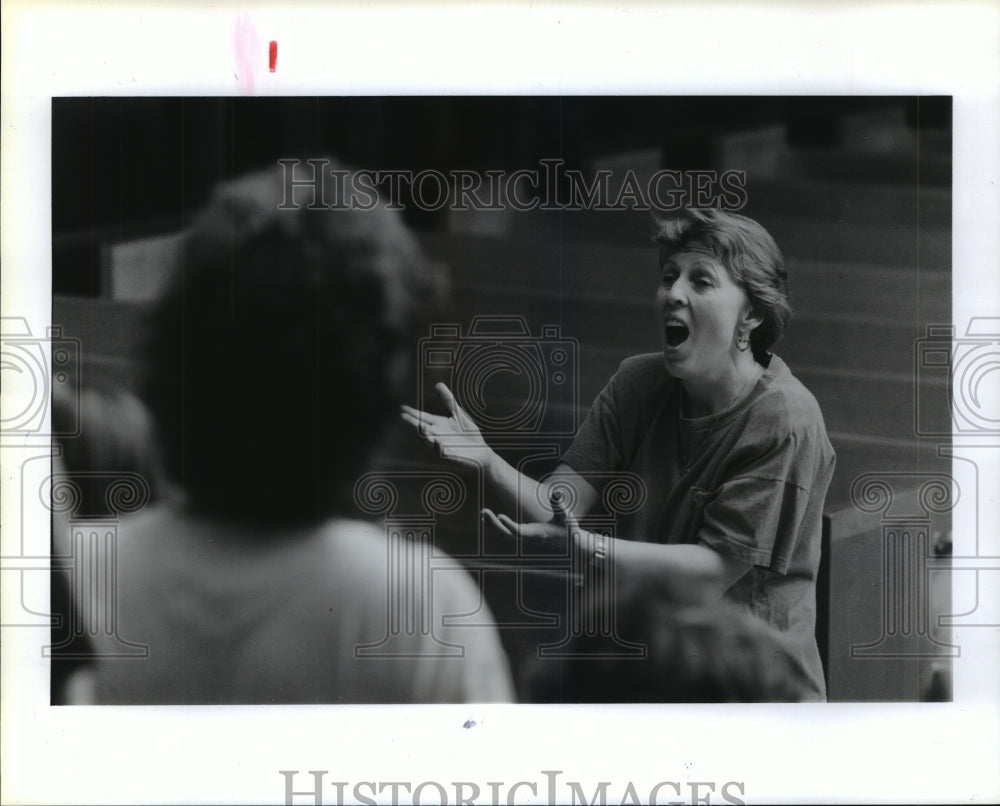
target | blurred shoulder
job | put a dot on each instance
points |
(156, 526)
(370, 553)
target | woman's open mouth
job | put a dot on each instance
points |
(675, 333)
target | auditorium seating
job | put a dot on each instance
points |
(867, 238)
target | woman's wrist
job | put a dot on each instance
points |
(598, 545)
(592, 551)
(495, 469)
(517, 492)
(593, 547)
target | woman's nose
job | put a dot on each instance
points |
(677, 292)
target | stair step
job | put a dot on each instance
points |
(887, 243)
(575, 270)
(861, 203)
(912, 168)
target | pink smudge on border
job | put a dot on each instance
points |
(247, 49)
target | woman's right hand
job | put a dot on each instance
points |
(455, 435)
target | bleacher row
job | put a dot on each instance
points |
(868, 245)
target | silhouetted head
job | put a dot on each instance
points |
(282, 347)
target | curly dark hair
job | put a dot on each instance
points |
(281, 348)
(749, 254)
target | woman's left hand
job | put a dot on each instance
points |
(555, 533)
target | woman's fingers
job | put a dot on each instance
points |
(560, 513)
(412, 417)
(511, 527)
(420, 423)
(490, 517)
(462, 420)
(421, 420)
(549, 533)
(418, 418)
(418, 415)
(447, 398)
(558, 503)
(456, 421)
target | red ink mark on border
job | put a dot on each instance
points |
(272, 55)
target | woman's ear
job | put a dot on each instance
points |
(750, 319)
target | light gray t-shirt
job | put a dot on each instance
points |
(245, 615)
(749, 482)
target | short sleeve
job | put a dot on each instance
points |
(619, 417)
(757, 514)
(597, 446)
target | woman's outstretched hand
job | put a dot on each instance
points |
(556, 532)
(455, 435)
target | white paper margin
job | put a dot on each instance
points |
(835, 753)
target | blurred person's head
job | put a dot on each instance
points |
(106, 437)
(282, 347)
(107, 465)
(694, 654)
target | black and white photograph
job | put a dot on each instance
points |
(495, 421)
(532, 286)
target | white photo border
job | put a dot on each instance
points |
(829, 753)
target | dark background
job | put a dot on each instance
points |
(124, 167)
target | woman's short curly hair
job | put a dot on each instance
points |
(282, 347)
(749, 254)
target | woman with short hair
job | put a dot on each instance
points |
(731, 447)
